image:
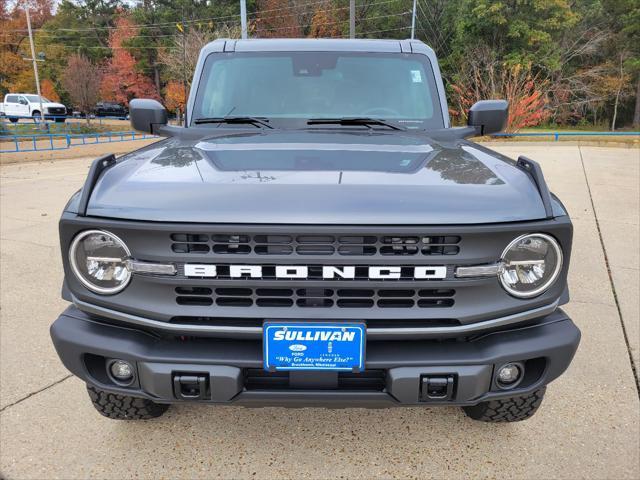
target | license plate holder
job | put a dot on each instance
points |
(314, 346)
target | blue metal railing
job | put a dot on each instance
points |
(61, 141)
(52, 117)
(51, 123)
(557, 135)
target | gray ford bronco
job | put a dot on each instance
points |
(316, 234)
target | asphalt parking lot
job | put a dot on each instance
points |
(587, 427)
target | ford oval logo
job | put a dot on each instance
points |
(297, 348)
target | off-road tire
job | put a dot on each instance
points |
(124, 407)
(514, 409)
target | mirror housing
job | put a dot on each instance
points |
(147, 115)
(489, 116)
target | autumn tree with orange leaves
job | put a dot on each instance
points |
(15, 73)
(121, 80)
(527, 102)
(486, 78)
(175, 96)
(278, 19)
(327, 22)
(48, 90)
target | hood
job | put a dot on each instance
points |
(53, 105)
(308, 177)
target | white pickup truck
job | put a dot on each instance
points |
(21, 105)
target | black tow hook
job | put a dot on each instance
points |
(191, 387)
(436, 388)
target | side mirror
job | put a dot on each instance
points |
(489, 116)
(147, 115)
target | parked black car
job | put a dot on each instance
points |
(317, 234)
(110, 109)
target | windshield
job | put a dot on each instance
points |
(306, 85)
(35, 99)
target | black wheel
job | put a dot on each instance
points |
(514, 409)
(123, 407)
(13, 119)
(36, 116)
(60, 120)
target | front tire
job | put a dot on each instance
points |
(124, 407)
(514, 409)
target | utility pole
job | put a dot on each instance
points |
(413, 20)
(352, 18)
(35, 64)
(243, 18)
(182, 27)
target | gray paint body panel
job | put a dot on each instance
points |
(316, 45)
(194, 181)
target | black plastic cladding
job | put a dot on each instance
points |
(474, 300)
(555, 339)
(97, 167)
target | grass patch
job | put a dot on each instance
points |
(31, 128)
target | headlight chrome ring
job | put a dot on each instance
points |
(552, 278)
(82, 277)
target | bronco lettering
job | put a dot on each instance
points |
(329, 272)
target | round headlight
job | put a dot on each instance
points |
(530, 264)
(99, 260)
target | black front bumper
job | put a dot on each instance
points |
(227, 368)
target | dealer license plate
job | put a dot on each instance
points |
(313, 346)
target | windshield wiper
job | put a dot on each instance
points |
(262, 122)
(354, 121)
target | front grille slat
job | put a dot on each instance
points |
(315, 297)
(313, 249)
(371, 322)
(315, 245)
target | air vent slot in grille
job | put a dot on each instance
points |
(371, 323)
(315, 297)
(315, 245)
(231, 248)
(369, 380)
(190, 243)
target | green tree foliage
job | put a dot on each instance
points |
(83, 27)
(519, 32)
(574, 49)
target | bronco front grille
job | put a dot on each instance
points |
(315, 297)
(307, 245)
